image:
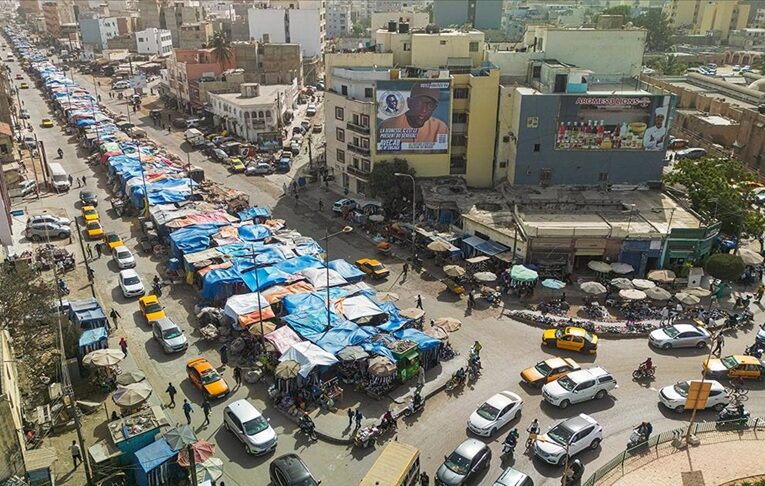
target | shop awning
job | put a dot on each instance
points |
(473, 241)
(491, 248)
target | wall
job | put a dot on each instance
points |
(450, 13)
(355, 59)
(11, 438)
(267, 21)
(481, 127)
(416, 20)
(306, 29)
(509, 105)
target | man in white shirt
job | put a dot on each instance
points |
(653, 138)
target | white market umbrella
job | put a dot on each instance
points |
(600, 267)
(687, 299)
(132, 395)
(658, 293)
(622, 283)
(387, 297)
(750, 257)
(448, 323)
(104, 357)
(551, 283)
(632, 294)
(698, 292)
(622, 268)
(663, 276)
(210, 470)
(454, 271)
(592, 288)
(439, 246)
(642, 284)
(485, 276)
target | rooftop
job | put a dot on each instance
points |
(267, 95)
(137, 424)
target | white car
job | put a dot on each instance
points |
(680, 336)
(121, 85)
(311, 109)
(674, 396)
(249, 426)
(342, 204)
(169, 335)
(579, 386)
(123, 257)
(495, 413)
(131, 283)
(580, 433)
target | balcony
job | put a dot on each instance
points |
(358, 149)
(364, 130)
(357, 171)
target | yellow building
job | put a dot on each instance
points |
(705, 16)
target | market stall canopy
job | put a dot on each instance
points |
(412, 313)
(241, 304)
(439, 246)
(551, 283)
(128, 377)
(454, 271)
(358, 307)
(485, 276)
(352, 353)
(642, 284)
(180, 436)
(523, 273)
(268, 327)
(283, 338)
(309, 356)
(438, 333)
(597, 266)
(632, 294)
(698, 292)
(132, 395)
(658, 293)
(201, 449)
(622, 283)
(750, 257)
(104, 357)
(592, 288)
(622, 268)
(287, 370)
(387, 297)
(687, 299)
(662, 276)
(381, 366)
(319, 277)
(448, 323)
(210, 470)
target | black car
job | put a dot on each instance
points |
(88, 198)
(290, 470)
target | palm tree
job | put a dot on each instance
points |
(669, 65)
(221, 48)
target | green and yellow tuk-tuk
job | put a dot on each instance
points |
(407, 364)
(452, 285)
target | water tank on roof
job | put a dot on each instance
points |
(403, 28)
(391, 26)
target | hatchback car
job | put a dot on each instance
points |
(548, 370)
(40, 231)
(88, 198)
(579, 386)
(24, 86)
(579, 433)
(46, 123)
(572, 339)
(123, 257)
(675, 396)
(372, 267)
(151, 309)
(464, 464)
(236, 165)
(95, 230)
(206, 378)
(48, 218)
(735, 366)
(679, 336)
(219, 155)
(495, 413)
(169, 335)
(131, 283)
(243, 420)
(261, 168)
(290, 470)
(25, 114)
(342, 204)
(690, 153)
(113, 240)
(29, 142)
(121, 85)
(513, 477)
(310, 109)
(89, 213)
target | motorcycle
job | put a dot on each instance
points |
(309, 431)
(754, 350)
(63, 289)
(387, 425)
(642, 373)
(739, 320)
(636, 438)
(411, 409)
(366, 437)
(454, 382)
(508, 447)
(732, 417)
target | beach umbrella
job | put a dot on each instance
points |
(132, 395)
(438, 333)
(287, 369)
(632, 294)
(592, 288)
(523, 274)
(104, 357)
(622, 268)
(485, 276)
(622, 283)
(658, 293)
(352, 353)
(454, 271)
(448, 323)
(210, 470)
(687, 299)
(129, 377)
(438, 246)
(698, 292)
(387, 297)
(551, 283)
(750, 257)
(381, 366)
(412, 313)
(180, 436)
(663, 276)
(600, 267)
(201, 449)
(642, 284)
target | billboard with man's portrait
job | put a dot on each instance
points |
(413, 116)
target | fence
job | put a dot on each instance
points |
(635, 457)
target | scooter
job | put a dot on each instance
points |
(508, 447)
(754, 350)
(454, 382)
(636, 438)
(309, 431)
(732, 417)
(411, 409)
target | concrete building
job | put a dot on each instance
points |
(187, 66)
(416, 20)
(11, 426)
(57, 14)
(747, 38)
(126, 41)
(171, 15)
(194, 35)
(269, 63)
(759, 17)
(704, 16)
(297, 22)
(98, 31)
(256, 111)
(339, 21)
(30, 7)
(154, 41)
(419, 48)
(479, 14)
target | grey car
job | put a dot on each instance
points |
(45, 230)
(513, 477)
(169, 335)
(464, 464)
(680, 336)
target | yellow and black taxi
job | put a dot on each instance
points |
(151, 309)
(571, 338)
(548, 370)
(89, 213)
(735, 366)
(372, 267)
(95, 230)
(47, 123)
(24, 86)
(206, 378)
(113, 240)
(236, 165)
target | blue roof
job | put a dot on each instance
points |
(154, 454)
(252, 213)
(349, 272)
(92, 336)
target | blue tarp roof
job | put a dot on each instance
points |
(345, 334)
(308, 248)
(349, 272)
(298, 264)
(92, 336)
(310, 325)
(154, 454)
(254, 232)
(378, 348)
(191, 239)
(423, 340)
(473, 241)
(395, 321)
(305, 302)
(252, 213)
(216, 283)
(266, 277)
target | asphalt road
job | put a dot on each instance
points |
(509, 346)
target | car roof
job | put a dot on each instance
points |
(715, 385)
(510, 477)
(587, 373)
(291, 465)
(557, 362)
(199, 364)
(575, 424)
(244, 410)
(502, 399)
(165, 323)
(470, 448)
(689, 327)
(128, 272)
(149, 299)
(121, 248)
(576, 331)
(743, 359)
(371, 261)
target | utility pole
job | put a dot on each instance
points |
(43, 160)
(192, 465)
(85, 257)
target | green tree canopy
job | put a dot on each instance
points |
(659, 33)
(725, 266)
(221, 48)
(720, 189)
(359, 28)
(669, 65)
(394, 192)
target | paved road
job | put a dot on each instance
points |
(508, 348)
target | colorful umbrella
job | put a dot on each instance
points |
(201, 449)
(210, 470)
(551, 283)
(523, 274)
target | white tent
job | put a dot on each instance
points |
(309, 356)
(241, 304)
(357, 307)
(318, 278)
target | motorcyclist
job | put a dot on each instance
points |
(533, 430)
(62, 285)
(387, 420)
(740, 411)
(646, 365)
(645, 429)
(460, 374)
(512, 439)
(416, 400)
(476, 349)
(306, 423)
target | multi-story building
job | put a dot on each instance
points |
(29, 7)
(185, 68)
(339, 22)
(97, 32)
(297, 22)
(480, 14)
(705, 16)
(171, 15)
(11, 426)
(747, 38)
(154, 41)
(56, 14)
(194, 35)
(269, 63)
(759, 17)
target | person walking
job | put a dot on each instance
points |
(123, 345)
(719, 343)
(420, 378)
(424, 479)
(350, 417)
(187, 411)
(404, 271)
(84, 181)
(664, 315)
(76, 454)
(238, 376)
(206, 409)
(760, 293)
(170, 390)
(98, 250)
(358, 417)
(224, 355)
(89, 250)
(71, 179)
(419, 302)
(115, 315)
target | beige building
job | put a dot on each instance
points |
(704, 16)
(11, 427)
(57, 14)
(422, 49)
(195, 36)
(270, 63)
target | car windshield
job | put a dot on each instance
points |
(90, 211)
(255, 426)
(457, 463)
(132, 280)
(567, 383)
(559, 333)
(151, 308)
(210, 376)
(671, 331)
(560, 434)
(729, 362)
(123, 255)
(681, 388)
(543, 368)
(378, 266)
(111, 238)
(487, 411)
(94, 225)
(171, 333)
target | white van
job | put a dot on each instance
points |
(59, 177)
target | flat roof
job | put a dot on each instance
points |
(267, 93)
(717, 120)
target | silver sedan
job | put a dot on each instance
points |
(680, 336)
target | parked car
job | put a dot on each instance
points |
(89, 213)
(48, 218)
(496, 412)
(206, 378)
(19, 77)
(259, 168)
(235, 165)
(679, 336)
(290, 470)
(305, 124)
(580, 433)
(243, 420)
(310, 109)
(194, 122)
(299, 130)
(372, 267)
(678, 143)
(123, 257)
(579, 386)
(120, 85)
(674, 396)
(342, 204)
(113, 240)
(95, 230)
(464, 464)
(513, 477)
(295, 148)
(29, 142)
(284, 164)
(691, 153)
(169, 335)
(26, 86)
(88, 198)
(24, 188)
(40, 231)
(219, 155)
(317, 128)
(179, 122)
(131, 283)
(25, 114)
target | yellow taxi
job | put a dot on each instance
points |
(113, 240)
(206, 378)
(372, 267)
(735, 366)
(236, 165)
(95, 230)
(47, 123)
(89, 213)
(571, 338)
(24, 86)
(151, 309)
(548, 370)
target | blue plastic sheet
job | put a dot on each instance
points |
(423, 340)
(310, 325)
(309, 248)
(252, 213)
(266, 277)
(191, 239)
(337, 337)
(218, 283)
(305, 302)
(93, 336)
(395, 321)
(378, 349)
(349, 272)
(154, 454)
(254, 232)
(298, 264)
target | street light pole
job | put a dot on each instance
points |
(346, 229)
(414, 215)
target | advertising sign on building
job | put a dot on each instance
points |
(613, 122)
(413, 116)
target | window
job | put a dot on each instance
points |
(268, 113)
(536, 147)
(366, 166)
(341, 156)
(367, 92)
(340, 133)
(407, 47)
(260, 114)
(460, 93)
(339, 113)
(344, 90)
(473, 47)
(443, 42)
(365, 143)
(364, 120)
(459, 117)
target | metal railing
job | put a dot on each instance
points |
(619, 465)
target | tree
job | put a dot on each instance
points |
(725, 266)
(659, 33)
(720, 189)
(221, 49)
(360, 27)
(394, 192)
(669, 65)
(624, 10)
